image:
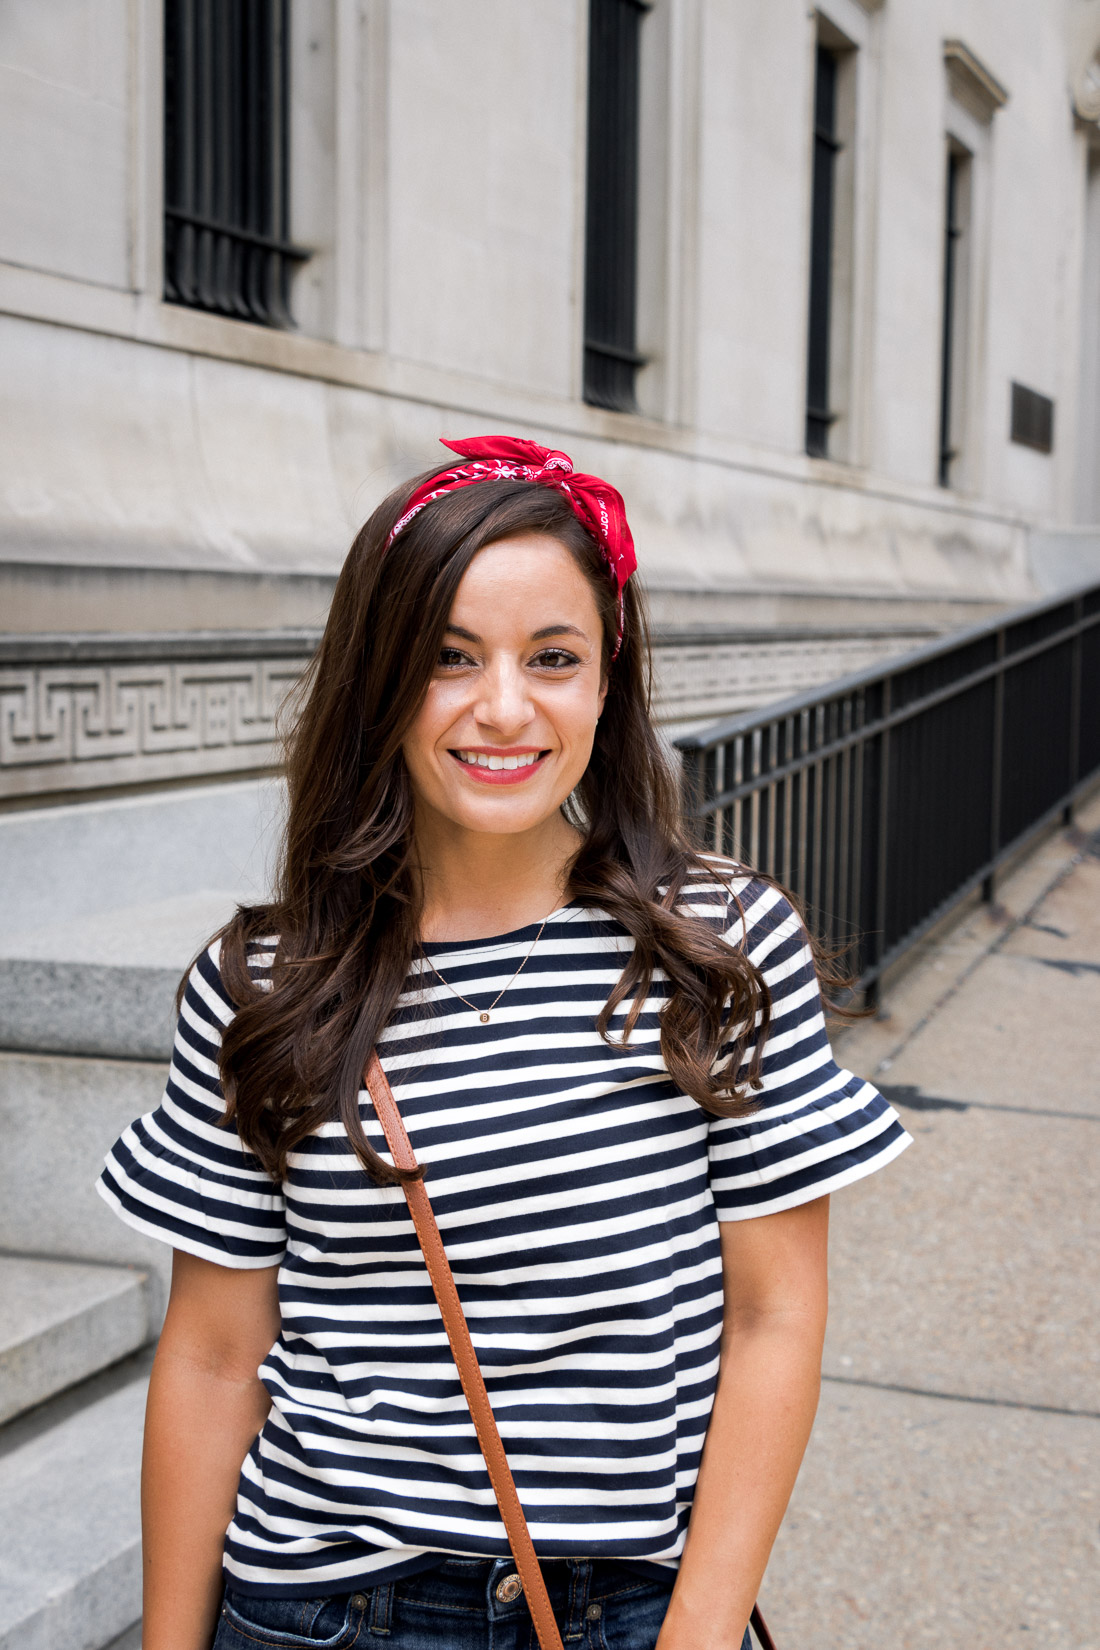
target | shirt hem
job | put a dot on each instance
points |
(819, 1188)
(651, 1569)
(175, 1240)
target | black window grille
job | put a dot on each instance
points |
(226, 201)
(822, 218)
(953, 232)
(611, 359)
(1032, 419)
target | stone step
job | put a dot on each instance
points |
(62, 1321)
(58, 1118)
(130, 1640)
(70, 1559)
(105, 903)
(105, 983)
(59, 864)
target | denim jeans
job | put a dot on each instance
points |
(461, 1604)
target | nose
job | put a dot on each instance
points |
(504, 703)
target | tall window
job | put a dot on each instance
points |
(1087, 500)
(611, 359)
(226, 212)
(955, 283)
(822, 230)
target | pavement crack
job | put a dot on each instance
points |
(910, 1098)
(962, 1397)
(1067, 965)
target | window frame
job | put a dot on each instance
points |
(612, 179)
(226, 165)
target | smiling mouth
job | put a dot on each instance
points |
(492, 769)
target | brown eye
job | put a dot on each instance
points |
(555, 658)
(450, 657)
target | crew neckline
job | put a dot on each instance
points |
(495, 941)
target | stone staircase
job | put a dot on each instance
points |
(72, 1394)
(103, 907)
(81, 1299)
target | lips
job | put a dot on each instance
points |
(499, 767)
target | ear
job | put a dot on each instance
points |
(605, 684)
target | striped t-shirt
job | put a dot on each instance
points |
(578, 1193)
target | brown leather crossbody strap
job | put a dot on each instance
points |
(760, 1628)
(469, 1370)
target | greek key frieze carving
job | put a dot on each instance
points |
(51, 714)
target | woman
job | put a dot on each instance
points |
(610, 1056)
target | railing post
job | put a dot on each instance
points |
(989, 881)
(692, 782)
(1075, 709)
(873, 994)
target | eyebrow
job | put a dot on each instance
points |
(536, 635)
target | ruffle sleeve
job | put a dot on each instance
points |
(178, 1173)
(817, 1127)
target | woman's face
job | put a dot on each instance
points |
(506, 729)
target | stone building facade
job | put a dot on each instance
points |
(170, 465)
(816, 285)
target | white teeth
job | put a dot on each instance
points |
(476, 759)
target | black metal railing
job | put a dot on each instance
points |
(611, 359)
(884, 799)
(227, 242)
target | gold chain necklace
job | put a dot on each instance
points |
(484, 1013)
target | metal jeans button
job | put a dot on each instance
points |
(509, 1589)
(594, 1612)
(359, 1601)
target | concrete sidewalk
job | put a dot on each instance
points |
(951, 1493)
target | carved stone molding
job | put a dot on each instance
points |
(717, 675)
(80, 723)
(1086, 94)
(971, 83)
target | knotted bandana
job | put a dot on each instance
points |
(596, 504)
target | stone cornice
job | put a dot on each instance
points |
(971, 83)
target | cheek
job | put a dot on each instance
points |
(575, 726)
(584, 707)
(442, 706)
(431, 722)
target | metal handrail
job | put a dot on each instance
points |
(884, 798)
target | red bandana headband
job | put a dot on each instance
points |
(596, 504)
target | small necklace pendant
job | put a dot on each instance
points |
(484, 1018)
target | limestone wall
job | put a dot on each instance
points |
(438, 176)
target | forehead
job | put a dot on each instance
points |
(529, 573)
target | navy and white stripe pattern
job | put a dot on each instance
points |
(579, 1195)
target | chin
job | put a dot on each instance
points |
(502, 821)
(498, 812)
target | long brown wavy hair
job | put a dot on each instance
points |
(346, 908)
